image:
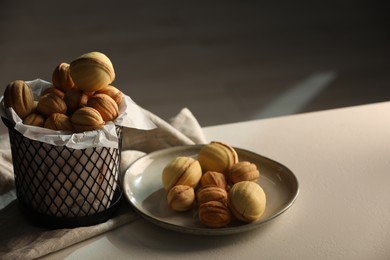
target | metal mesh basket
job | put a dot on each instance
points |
(59, 186)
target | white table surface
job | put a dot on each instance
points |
(341, 158)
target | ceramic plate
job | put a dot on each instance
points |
(144, 190)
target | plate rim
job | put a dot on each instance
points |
(206, 230)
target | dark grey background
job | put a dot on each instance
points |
(226, 61)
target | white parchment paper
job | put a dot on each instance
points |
(130, 116)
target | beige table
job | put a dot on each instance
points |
(342, 161)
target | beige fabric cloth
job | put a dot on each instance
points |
(21, 240)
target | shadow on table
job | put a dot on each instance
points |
(13, 226)
(144, 236)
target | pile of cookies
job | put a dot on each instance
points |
(81, 98)
(219, 186)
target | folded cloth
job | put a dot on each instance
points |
(21, 240)
(182, 129)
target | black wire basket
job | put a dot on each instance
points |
(61, 187)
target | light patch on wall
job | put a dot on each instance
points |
(293, 100)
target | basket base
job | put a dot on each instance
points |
(52, 222)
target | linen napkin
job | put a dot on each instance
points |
(21, 240)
